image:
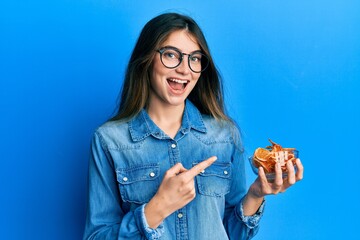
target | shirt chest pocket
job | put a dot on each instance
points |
(215, 180)
(138, 184)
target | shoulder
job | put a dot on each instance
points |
(221, 130)
(112, 127)
(219, 126)
(112, 134)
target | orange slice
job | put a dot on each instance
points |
(269, 156)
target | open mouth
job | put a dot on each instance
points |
(177, 84)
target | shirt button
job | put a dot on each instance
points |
(203, 171)
(152, 174)
(180, 215)
(226, 172)
(125, 179)
(173, 145)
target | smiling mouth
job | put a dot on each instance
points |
(177, 84)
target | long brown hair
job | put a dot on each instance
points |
(207, 94)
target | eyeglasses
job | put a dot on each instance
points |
(171, 57)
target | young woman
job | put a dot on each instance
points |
(170, 164)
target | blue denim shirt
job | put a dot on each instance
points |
(128, 161)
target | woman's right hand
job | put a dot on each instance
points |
(176, 190)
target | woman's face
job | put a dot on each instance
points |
(170, 87)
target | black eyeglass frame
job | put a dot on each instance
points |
(181, 54)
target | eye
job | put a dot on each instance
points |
(195, 58)
(171, 54)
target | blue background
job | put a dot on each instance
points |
(291, 72)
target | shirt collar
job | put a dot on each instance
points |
(141, 126)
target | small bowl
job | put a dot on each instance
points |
(281, 157)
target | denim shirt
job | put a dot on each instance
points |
(128, 161)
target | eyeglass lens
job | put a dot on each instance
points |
(171, 58)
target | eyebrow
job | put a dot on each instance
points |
(169, 46)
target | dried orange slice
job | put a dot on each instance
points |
(262, 154)
(269, 156)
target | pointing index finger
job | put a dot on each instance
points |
(197, 169)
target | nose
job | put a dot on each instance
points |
(184, 66)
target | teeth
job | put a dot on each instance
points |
(177, 80)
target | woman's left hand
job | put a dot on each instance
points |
(262, 187)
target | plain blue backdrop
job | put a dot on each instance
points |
(291, 73)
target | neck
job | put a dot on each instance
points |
(167, 117)
(166, 114)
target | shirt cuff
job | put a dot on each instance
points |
(251, 221)
(149, 233)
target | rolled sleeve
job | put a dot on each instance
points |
(143, 226)
(253, 220)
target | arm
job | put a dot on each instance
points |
(238, 223)
(251, 206)
(105, 216)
